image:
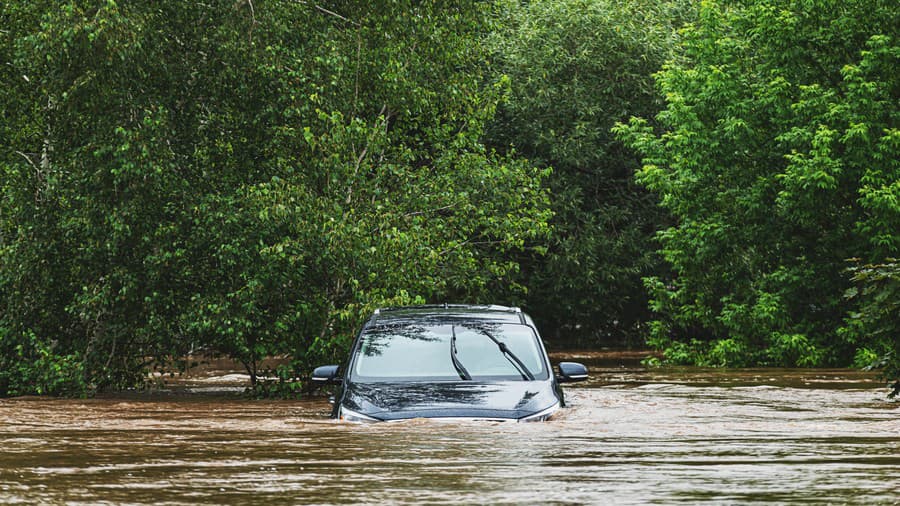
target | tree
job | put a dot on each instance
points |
(777, 157)
(576, 68)
(243, 178)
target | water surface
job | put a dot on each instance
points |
(630, 436)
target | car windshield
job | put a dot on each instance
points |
(412, 352)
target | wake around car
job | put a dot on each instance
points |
(449, 361)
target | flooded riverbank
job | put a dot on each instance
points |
(630, 436)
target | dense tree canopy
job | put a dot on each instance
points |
(250, 179)
(575, 69)
(778, 157)
(243, 178)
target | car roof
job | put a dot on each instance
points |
(492, 313)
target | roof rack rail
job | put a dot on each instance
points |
(446, 305)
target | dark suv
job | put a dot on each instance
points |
(450, 361)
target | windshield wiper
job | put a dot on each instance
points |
(513, 359)
(463, 373)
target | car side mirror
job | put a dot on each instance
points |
(326, 374)
(571, 371)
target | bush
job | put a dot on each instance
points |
(29, 365)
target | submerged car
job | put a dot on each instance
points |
(449, 361)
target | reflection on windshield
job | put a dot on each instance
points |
(401, 352)
(482, 356)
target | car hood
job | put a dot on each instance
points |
(464, 399)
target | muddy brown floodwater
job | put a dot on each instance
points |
(630, 436)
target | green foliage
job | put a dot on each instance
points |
(252, 179)
(875, 327)
(777, 156)
(246, 179)
(575, 67)
(31, 365)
